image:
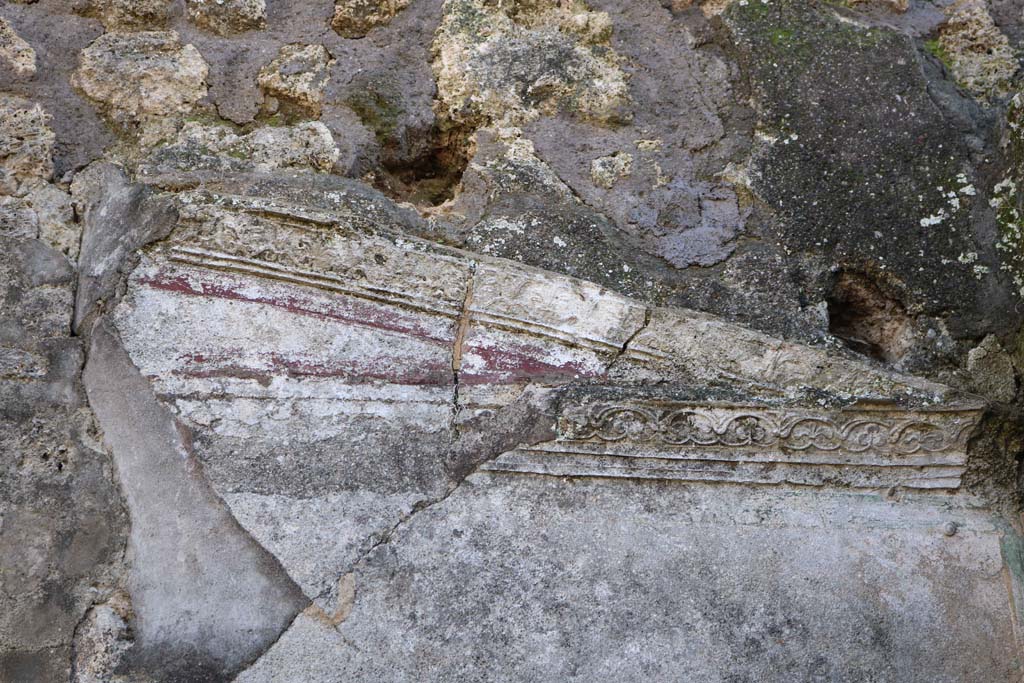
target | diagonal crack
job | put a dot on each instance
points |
(527, 421)
(625, 345)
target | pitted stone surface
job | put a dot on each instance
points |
(979, 53)
(18, 55)
(356, 18)
(228, 16)
(129, 15)
(149, 73)
(297, 75)
(508, 65)
(26, 146)
(307, 145)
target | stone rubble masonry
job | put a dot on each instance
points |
(298, 75)
(356, 18)
(26, 146)
(991, 371)
(978, 53)
(129, 15)
(308, 145)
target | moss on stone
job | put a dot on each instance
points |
(934, 47)
(378, 108)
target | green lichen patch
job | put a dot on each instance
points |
(934, 47)
(378, 104)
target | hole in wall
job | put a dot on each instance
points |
(867, 319)
(421, 163)
(432, 177)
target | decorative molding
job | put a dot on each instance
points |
(859, 447)
(693, 425)
(573, 326)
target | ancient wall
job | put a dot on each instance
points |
(511, 340)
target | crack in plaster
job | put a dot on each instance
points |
(460, 337)
(629, 340)
(385, 537)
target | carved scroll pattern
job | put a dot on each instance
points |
(697, 426)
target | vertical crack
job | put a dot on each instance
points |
(460, 337)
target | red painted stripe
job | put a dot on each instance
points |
(343, 309)
(515, 362)
(270, 365)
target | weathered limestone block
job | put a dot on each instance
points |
(103, 640)
(977, 52)
(218, 148)
(130, 15)
(26, 146)
(45, 212)
(356, 18)
(413, 347)
(991, 370)
(18, 55)
(138, 75)
(17, 219)
(297, 76)
(56, 218)
(225, 17)
(604, 171)
(494, 64)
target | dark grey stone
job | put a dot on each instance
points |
(118, 218)
(207, 598)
